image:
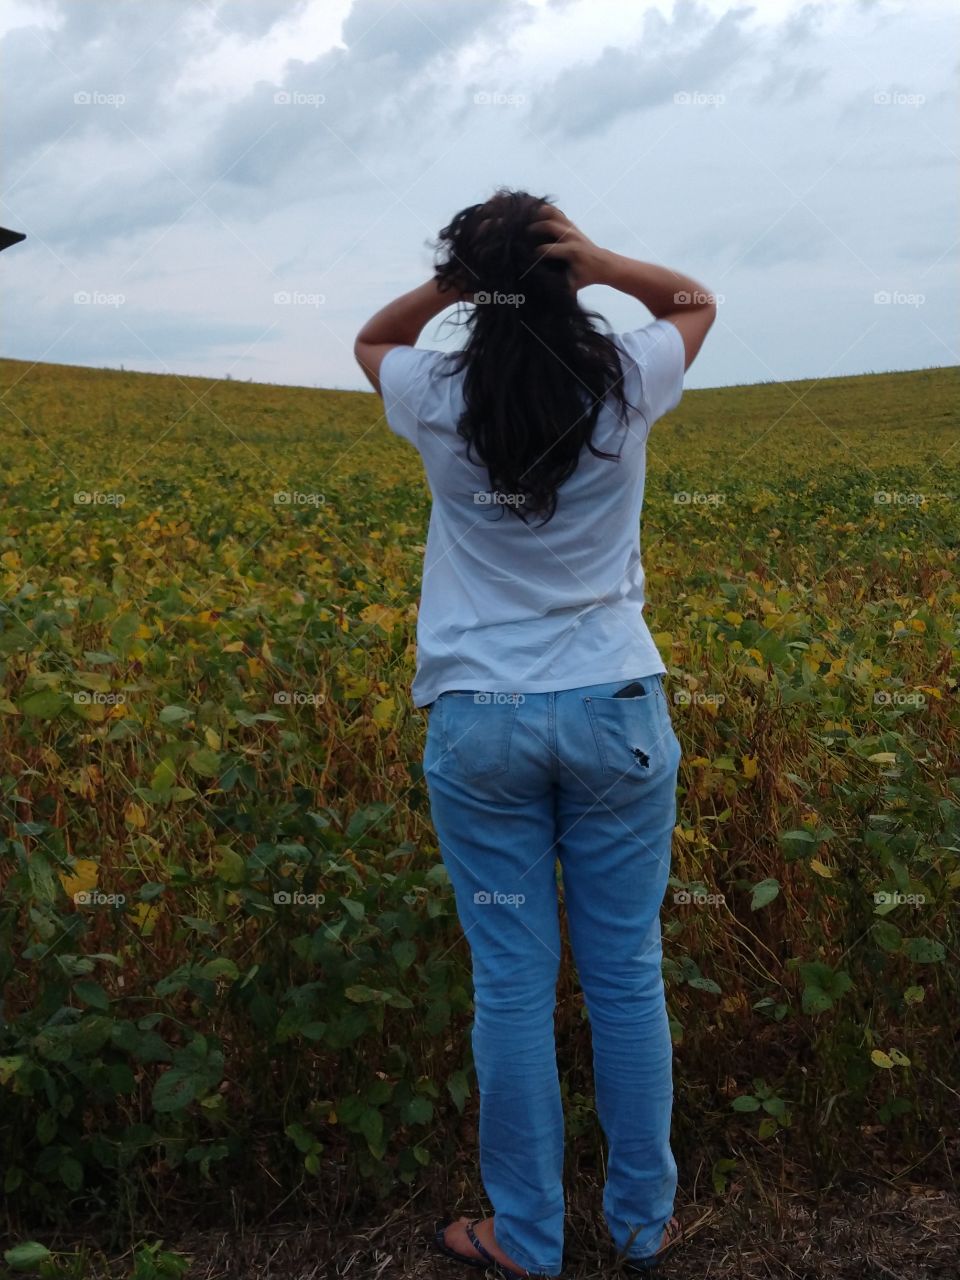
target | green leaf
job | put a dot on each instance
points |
(92, 994)
(27, 1256)
(816, 1000)
(802, 837)
(887, 936)
(221, 967)
(45, 704)
(176, 1089)
(71, 1173)
(164, 776)
(404, 952)
(173, 714)
(924, 950)
(123, 631)
(459, 1089)
(41, 876)
(418, 1110)
(365, 995)
(705, 984)
(9, 1067)
(746, 1102)
(764, 891)
(47, 1125)
(371, 1126)
(205, 762)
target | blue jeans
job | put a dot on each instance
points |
(517, 782)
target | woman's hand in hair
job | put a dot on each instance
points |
(568, 243)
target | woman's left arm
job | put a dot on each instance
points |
(399, 324)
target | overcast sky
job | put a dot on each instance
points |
(236, 185)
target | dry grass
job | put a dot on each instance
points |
(865, 1228)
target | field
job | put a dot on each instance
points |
(231, 976)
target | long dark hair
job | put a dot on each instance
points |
(537, 371)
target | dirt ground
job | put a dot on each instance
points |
(876, 1230)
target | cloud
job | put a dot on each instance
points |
(232, 148)
(689, 52)
(695, 52)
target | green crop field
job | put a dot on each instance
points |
(230, 964)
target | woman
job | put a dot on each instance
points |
(549, 735)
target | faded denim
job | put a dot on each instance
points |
(518, 782)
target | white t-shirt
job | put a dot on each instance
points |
(509, 607)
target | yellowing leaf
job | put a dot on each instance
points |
(83, 878)
(733, 617)
(212, 739)
(749, 766)
(821, 869)
(880, 1059)
(382, 616)
(384, 711)
(883, 757)
(134, 816)
(146, 915)
(235, 646)
(934, 693)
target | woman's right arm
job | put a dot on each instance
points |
(668, 294)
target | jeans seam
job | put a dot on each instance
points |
(518, 1255)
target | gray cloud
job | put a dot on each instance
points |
(339, 195)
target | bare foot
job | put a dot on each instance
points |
(455, 1237)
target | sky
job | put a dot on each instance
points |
(232, 187)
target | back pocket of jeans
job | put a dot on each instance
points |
(633, 738)
(476, 732)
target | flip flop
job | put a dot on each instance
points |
(674, 1232)
(486, 1258)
